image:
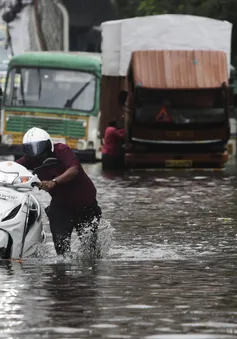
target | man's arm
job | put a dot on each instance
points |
(66, 156)
(120, 133)
(67, 176)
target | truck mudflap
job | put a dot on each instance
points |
(166, 160)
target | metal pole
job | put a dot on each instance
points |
(65, 26)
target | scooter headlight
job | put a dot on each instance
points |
(21, 180)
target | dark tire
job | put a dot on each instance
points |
(5, 253)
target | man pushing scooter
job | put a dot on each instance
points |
(73, 203)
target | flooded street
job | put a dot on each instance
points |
(169, 266)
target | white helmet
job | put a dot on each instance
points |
(36, 141)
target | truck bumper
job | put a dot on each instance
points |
(169, 160)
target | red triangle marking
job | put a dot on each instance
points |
(163, 115)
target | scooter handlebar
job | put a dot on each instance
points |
(35, 184)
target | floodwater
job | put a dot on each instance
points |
(169, 265)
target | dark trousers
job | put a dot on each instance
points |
(110, 162)
(63, 220)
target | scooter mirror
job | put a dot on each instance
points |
(50, 161)
(47, 163)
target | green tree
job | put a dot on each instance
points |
(127, 8)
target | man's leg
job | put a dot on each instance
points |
(108, 162)
(88, 218)
(60, 221)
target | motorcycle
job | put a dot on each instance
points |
(21, 228)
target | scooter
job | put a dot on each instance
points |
(21, 228)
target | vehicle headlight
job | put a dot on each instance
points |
(81, 144)
(22, 180)
(7, 139)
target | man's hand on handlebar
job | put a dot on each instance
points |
(45, 185)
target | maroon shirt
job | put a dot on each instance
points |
(112, 141)
(79, 192)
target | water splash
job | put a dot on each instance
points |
(80, 248)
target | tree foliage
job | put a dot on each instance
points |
(217, 9)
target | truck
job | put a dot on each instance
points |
(173, 95)
(56, 91)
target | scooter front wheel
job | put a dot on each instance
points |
(5, 245)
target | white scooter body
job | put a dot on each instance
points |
(21, 228)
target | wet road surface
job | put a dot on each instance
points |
(169, 244)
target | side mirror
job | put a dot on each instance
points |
(122, 97)
(50, 162)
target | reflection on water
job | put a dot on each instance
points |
(169, 270)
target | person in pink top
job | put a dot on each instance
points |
(112, 154)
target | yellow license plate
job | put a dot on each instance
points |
(178, 163)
